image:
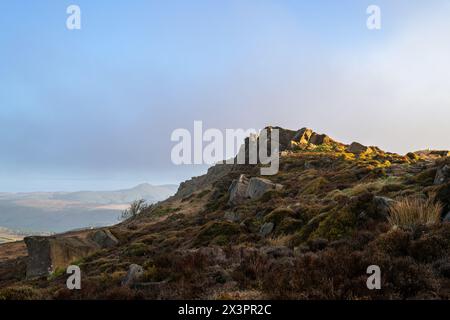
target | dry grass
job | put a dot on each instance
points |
(409, 213)
(279, 241)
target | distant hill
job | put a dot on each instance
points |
(143, 191)
(38, 212)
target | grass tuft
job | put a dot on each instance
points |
(409, 213)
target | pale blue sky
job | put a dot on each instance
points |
(94, 108)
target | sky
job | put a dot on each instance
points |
(94, 109)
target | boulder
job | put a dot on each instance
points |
(383, 204)
(442, 175)
(319, 139)
(258, 186)
(133, 276)
(358, 148)
(238, 190)
(232, 216)
(307, 138)
(302, 137)
(104, 238)
(266, 229)
(47, 254)
(39, 261)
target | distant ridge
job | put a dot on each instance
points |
(144, 191)
(38, 212)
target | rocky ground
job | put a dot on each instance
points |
(309, 232)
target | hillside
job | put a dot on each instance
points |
(309, 232)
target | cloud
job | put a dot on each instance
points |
(108, 114)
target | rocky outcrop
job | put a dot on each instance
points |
(258, 186)
(47, 254)
(307, 137)
(243, 188)
(358, 148)
(196, 183)
(133, 276)
(442, 175)
(104, 238)
(39, 258)
(238, 190)
(289, 140)
(302, 137)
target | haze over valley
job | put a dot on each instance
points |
(54, 212)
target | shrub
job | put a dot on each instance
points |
(137, 249)
(136, 208)
(277, 215)
(412, 156)
(19, 293)
(336, 226)
(221, 232)
(269, 195)
(314, 186)
(426, 177)
(289, 226)
(394, 243)
(202, 193)
(409, 213)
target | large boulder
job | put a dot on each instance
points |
(238, 190)
(47, 254)
(442, 175)
(302, 137)
(39, 261)
(258, 186)
(319, 139)
(104, 238)
(358, 148)
(133, 276)
(306, 137)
